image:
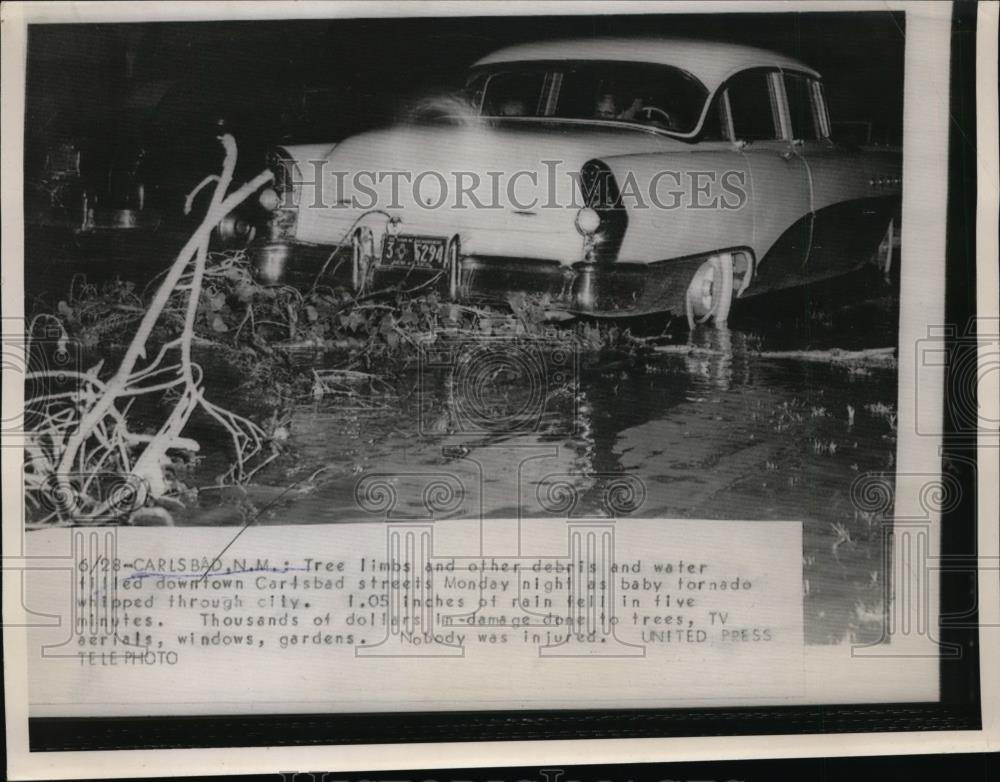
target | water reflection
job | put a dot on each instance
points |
(718, 358)
(709, 428)
(696, 426)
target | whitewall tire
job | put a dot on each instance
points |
(710, 292)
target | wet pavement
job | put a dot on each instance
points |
(712, 429)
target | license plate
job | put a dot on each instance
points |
(419, 251)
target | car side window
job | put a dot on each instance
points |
(753, 106)
(802, 108)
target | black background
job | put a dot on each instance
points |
(162, 86)
(252, 64)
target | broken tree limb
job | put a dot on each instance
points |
(186, 374)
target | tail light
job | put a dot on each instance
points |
(280, 200)
(587, 221)
(269, 199)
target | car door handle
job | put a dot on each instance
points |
(795, 148)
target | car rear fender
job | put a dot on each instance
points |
(683, 204)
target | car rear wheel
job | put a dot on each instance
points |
(710, 293)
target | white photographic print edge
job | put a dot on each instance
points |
(925, 167)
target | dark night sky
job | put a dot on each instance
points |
(78, 82)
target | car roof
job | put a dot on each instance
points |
(712, 62)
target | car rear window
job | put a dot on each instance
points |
(514, 94)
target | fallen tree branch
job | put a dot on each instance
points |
(98, 401)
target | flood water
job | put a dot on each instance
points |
(712, 429)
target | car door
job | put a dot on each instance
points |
(855, 193)
(781, 195)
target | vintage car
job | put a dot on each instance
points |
(618, 176)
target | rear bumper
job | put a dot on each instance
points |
(617, 289)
